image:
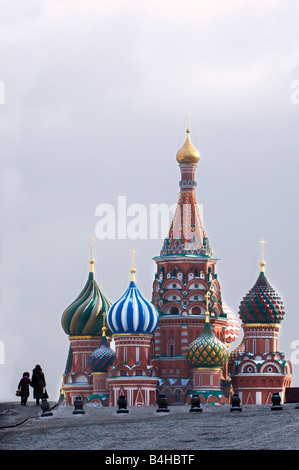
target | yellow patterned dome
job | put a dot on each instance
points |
(207, 350)
(188, 154)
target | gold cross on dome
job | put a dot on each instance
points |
(91, 240)
(133, 253)
(262, 242)
(133, 270)
(188, 121)
(104, 325)
(91, 261)
(207, 297)
(262, 262)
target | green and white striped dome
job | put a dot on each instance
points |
(83, 317)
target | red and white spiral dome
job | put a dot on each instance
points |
(232, 326)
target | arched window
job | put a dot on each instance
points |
(254, 346)
(196, 311)
(81, 379)
(171, 350)
(174, 311)
(137, 354)
(267, 345)
(125, 354)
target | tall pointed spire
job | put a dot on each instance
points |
(187, 234)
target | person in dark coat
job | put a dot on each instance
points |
(38, 383)
(24, 388)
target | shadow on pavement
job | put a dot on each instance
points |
(13, 413)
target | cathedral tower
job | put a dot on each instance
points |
(186, 271)
(257, 368)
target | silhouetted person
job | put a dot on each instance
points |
(38, 383)
(24, 387)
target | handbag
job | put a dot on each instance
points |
(45, 394)
(18, 393)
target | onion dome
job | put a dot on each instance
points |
(238, 351)
(103, 356)
(207, 350)
(188, 154)
(261, 304)
(83, 316)
(132, 313)
(232, 326)
(234, 356)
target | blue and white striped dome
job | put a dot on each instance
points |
(132, 313)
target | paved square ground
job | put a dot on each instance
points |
(255, 428)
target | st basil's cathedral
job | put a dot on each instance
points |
(177, 343)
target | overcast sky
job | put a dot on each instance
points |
(96, 97)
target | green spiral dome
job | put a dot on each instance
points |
(83, 317)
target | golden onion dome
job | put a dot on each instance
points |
(188, 154)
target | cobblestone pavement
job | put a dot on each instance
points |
(216, 428)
